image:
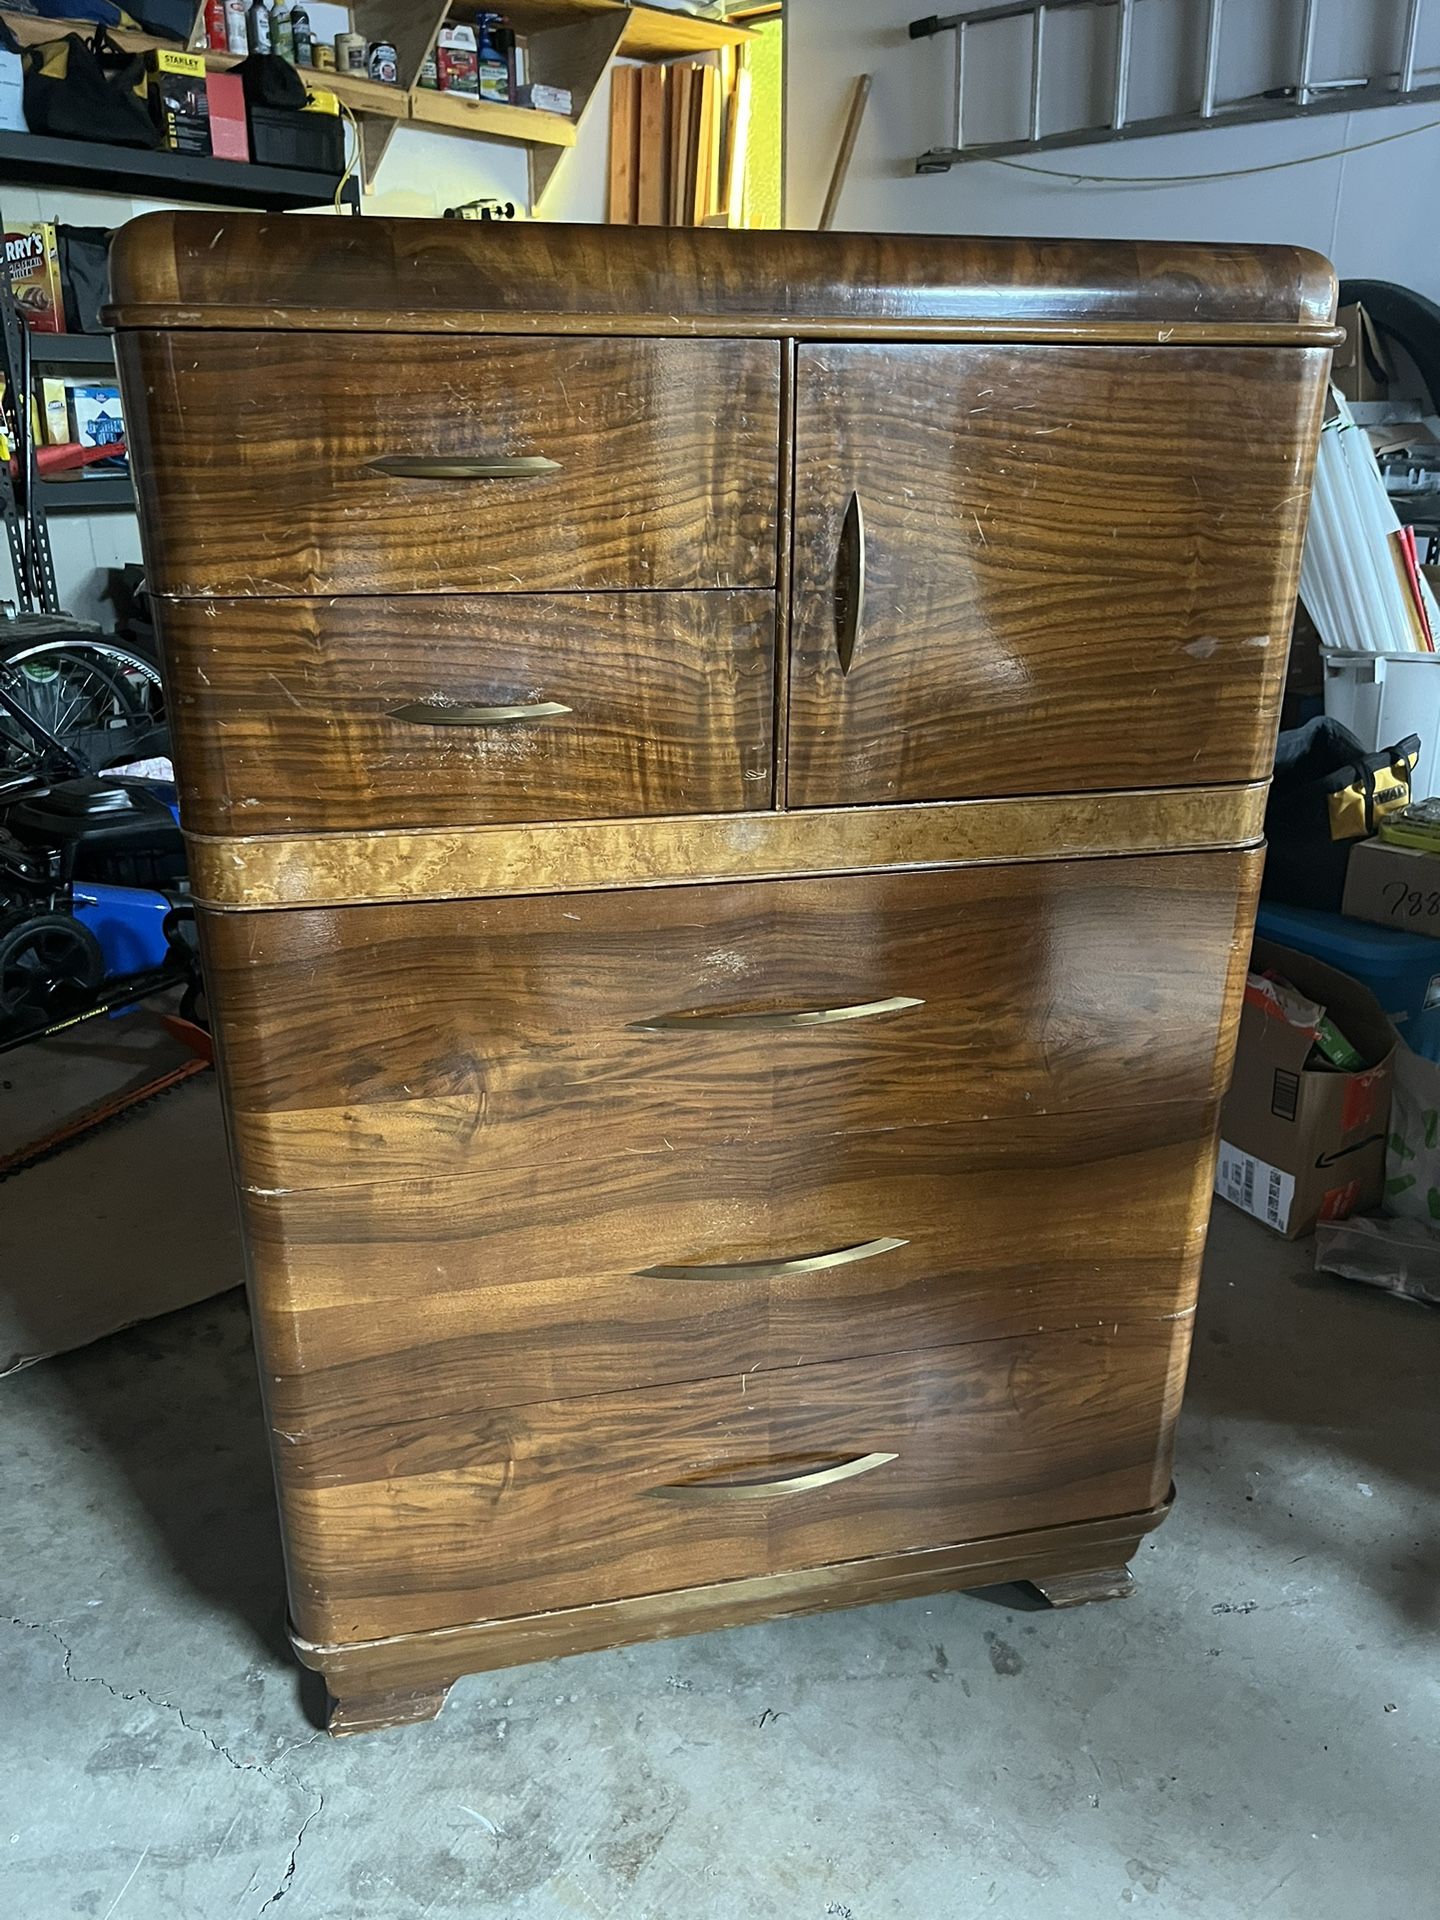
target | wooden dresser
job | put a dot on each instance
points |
(724, 777)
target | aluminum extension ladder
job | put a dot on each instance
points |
(1307, 94)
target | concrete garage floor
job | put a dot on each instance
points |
(1254, 1733)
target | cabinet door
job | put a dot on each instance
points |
(1041, 569)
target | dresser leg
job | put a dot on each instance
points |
(369, 1712)
(1077, 1589)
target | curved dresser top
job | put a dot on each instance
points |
(202, 269)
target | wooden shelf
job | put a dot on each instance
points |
(638, 32)
(650, 33)
(483, 119)
(654, 33)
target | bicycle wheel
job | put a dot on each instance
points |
(102, 700)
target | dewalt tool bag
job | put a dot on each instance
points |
(88, 90)
(1328, 792)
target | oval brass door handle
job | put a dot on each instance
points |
(454, 466)
(424, 713)
(768, 1489)
(850, 583)
(772, 1269)
(801, 1017)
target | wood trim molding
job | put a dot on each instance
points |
(419, 1660)
(1170, 333)
(235, 873)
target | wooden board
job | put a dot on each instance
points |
(621, 205)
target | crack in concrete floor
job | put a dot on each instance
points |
(271, 1770)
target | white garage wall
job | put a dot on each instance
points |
(1371, 212)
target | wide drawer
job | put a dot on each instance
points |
(397, 1525)
(372, 1044)
(503, 1287)
(505, 465)
(439, 711)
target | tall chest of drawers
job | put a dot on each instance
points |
(723, 777)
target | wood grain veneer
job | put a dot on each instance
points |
(241, 871)
(666, 457)
(299, 715)
(380, 1043)
(1059, 597)
(199, 268)
(389, 1681)
(793, 1057)
(478, 1290)
(517, 1511)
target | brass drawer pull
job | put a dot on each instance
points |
(802, 1017)
(454, 466)
(425, 713)
(768, 1489)
(850, 583)
(772, 1269)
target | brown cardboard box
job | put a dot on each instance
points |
(1300, 1144)
(1361, 368)
(1393, 886)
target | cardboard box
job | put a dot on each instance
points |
(1393, 887)
(33, 255)
(55, 411)
(12, 87)
(1299, 1143)
(95, 416)
(229, 128)
(1361, 368)
(178, 100)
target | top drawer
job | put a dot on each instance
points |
(665, 452)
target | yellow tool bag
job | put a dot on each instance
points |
(88, 90)
(1328, 792)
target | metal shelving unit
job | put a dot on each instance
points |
(72, 349)
(105, 493)
(37, 159)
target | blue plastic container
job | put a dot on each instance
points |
(1402, 970)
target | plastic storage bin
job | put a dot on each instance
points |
(1402, 970)
(1381, 697)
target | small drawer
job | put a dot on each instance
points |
(366, 1045)
(427, 464)
(361, 713)
(403, 1524)
(519, 1285)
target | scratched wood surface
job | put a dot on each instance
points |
(300, 715)
(478, 1290)
(1080, 567)
(385, 1043)
(389, 1681)
(667, 455)
(405, 1526)
(542, 1222)
(197, 269)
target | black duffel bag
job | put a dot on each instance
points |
(88, 90)
(1328, 792)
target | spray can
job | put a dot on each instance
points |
(215, 24)
(260, 36)
(237, 26)
(282, 32)
(304, 42)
